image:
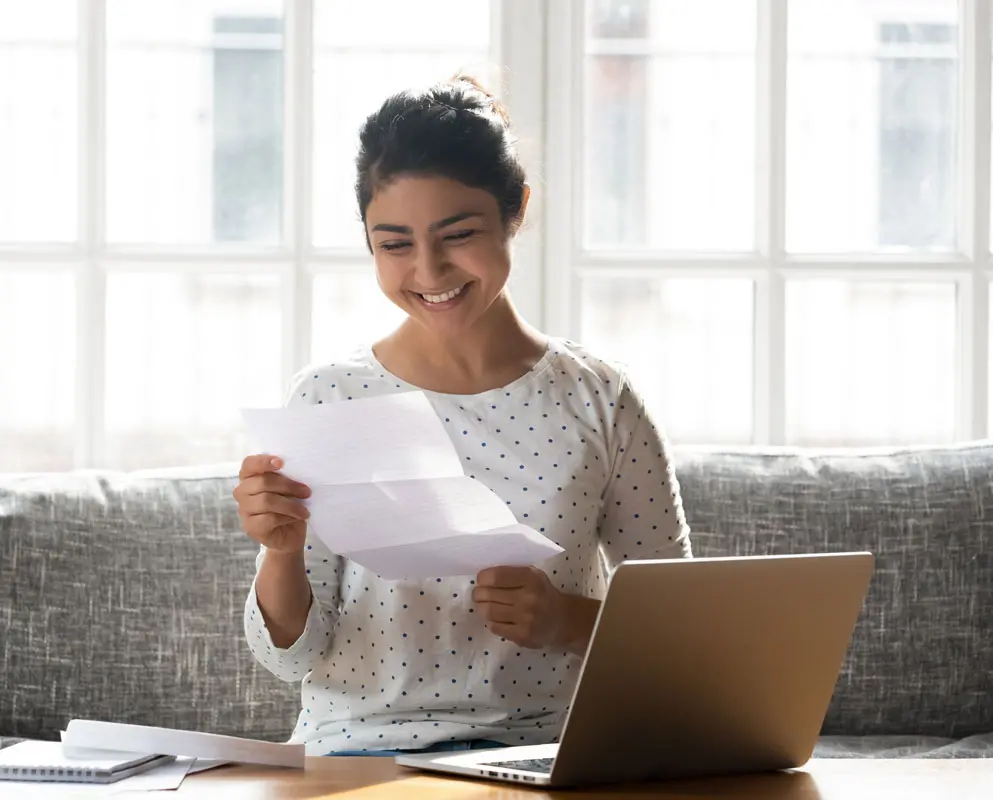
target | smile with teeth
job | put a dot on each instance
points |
(441, 298)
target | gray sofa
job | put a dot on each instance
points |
(121, 594)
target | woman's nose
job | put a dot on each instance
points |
(431, 264)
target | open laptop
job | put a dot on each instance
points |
(696, 667)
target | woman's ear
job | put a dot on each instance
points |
(517, 222)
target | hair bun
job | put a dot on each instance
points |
(488, 97)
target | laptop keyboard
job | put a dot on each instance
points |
(543, 765)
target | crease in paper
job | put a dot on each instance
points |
(388, 489)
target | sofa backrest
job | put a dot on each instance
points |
(921, 659)
(121, 595)
(121, 598)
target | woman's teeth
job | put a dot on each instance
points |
(441, 298)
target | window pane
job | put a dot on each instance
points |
(194, 121)
(688, 344)
(669, 125)
(391, 45)
(38, 121)
(872, 122)
(869, 363)
(349, 312)
(39, 21)
(401, 26)
(38, 379)
(185, 353)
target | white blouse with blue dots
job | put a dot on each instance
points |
(385, 664)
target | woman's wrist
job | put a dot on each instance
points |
(578, 619)
(284, 597)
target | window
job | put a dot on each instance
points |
(917, 127)
(180, 245)
(668, 166)
(776, 214)
(782, 218)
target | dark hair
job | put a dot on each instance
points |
(456, 130)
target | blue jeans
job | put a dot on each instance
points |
(440, 747)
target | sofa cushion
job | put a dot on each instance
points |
(121, 595)
(121, 599)
(903, 747)
(921, 659)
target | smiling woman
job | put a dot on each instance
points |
(447, 270)
(559, 435)
(442, 192)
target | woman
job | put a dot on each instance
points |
(558, 434)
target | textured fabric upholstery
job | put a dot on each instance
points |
(121, 599)
(921, 660)
(121, 595)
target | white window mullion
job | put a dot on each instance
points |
(972, 314)
(519, 33)
(975, 30)
(90, 281)
(770, 296)
(563, 129)
(973, 291)
(298, 168)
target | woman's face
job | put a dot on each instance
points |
(441, 249)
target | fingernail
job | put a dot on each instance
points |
(277, 462)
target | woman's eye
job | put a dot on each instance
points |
(460, 236)
(393, 246)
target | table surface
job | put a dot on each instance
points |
(827, 779)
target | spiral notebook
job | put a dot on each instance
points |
(46, 761)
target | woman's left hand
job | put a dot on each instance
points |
(520, 604)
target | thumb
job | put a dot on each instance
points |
(259, 465)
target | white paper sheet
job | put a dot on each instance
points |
(388, 490)
(51, 754)
(389, 438)
(166, 741)
(203, 764)
(164, 778)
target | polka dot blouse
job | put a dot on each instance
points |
(405, 664)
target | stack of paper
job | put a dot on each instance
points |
(91, 746)
(84, 736)
(388, 490)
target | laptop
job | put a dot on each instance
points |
(696, 667)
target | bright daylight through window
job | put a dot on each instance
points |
(780, 222)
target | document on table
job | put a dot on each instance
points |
(388, 490)
(86, 736)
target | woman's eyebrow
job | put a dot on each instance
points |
(387, 227)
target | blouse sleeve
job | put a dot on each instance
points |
(642, 513)
(324, 570)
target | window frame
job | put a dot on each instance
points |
(517, 31)
(770, 266)
(539, 45)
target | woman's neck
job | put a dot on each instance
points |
(496, 351)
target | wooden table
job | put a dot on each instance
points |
(829, 779)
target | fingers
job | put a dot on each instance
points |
(506, 632)
(498, 613)
(487, 594)
(260, 526)
(271, 482)
(268, 503)
(259, 464)
(505, 577)
(277, 533)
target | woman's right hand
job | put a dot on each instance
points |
(269, 505)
